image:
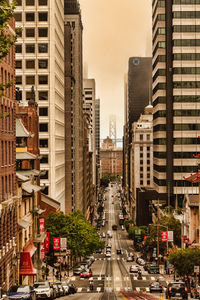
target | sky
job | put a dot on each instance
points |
(113, 31)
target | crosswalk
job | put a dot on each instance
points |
(111, 258)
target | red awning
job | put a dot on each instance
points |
(30, 248)
(26, 266)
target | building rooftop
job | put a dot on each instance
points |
(71, 7)
(25, 155)
(21, 130)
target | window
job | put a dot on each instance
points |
(148, 182)
(43, 16)
(30, 17)
(43, 48)
(43, 64)
(148, 148)
(18, 17)
(43, 127)
(42, 2)
(45, 176)
(45, 190)
(148, 137)
(148, 175)
(141, 148)
(148, 168)
(43, 111)
(43, 79)
(28, 95)
(30, 79)
(30, 48)
(148, 161)
(88, 92)
(43, 32)
(18, 79)
(30, 64)
(141, 182)
(18, 48)
(30, 32)
(141, 155)
(141, 162)
(44, 143)
(141, 137)
(43, 95)
(18, 2)
(141, 175)
(18, 64)
(30, 2)
(44, 159)
(148, 154)
(141, 168)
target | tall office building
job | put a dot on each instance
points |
(97, 139)
(90, 108)
(176, 82)
(74, 138)
(40, 63)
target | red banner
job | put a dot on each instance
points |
(56, 243)
(41, 225)
(164, 236)
(46, 242)
(42, 251)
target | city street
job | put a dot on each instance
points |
(111, 275)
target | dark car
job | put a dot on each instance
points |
(60, 288)
(72, 288)
(119, 251)
(153, 269)
(25, 292)
(99, 251)
(177, 290)
(155, 287)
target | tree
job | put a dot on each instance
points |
(184, 260)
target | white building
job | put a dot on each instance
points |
(40, 63)
(141, 167)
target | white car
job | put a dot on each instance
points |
(108, 254)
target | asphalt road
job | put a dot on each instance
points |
(111, 276)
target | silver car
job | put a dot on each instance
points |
(43, 290)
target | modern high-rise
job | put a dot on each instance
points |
(74, 135)
(90, 108)
(40, 64)
(176, 95)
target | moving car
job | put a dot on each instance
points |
(86, 274)
(54, 289)
(195, 292)
(77, 270)
(103, 235)
(155, 287)
(134, 269)
(114, 227)
(65, 287)
(140, 261)
(153, 269)
(177, 290)
(60, 288)
(21, 292)
(109, 234)
(43, 289)
(72, 288)
(130, 258)
(108, 254)
(119, 251)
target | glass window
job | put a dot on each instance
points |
(42, 2)
(18, 79)
(18, 64)
(43, 111)
(30, 17)
(43, 79)
(43, 48)
(141, 137)
(18, 2)
(45, 176)
(43, 16)
(44, 143)
(30, 64)
(43, 127)
(43, 95)
(30, 32)
(43, 32)
(30, 48)
(28, 95)
(141, 182)
(18, 17)
(30, 2)
(30, 79)
(18, 48)
(148, 137)
(44, 159)
(45, 190)
(148, 182)
(43, 63)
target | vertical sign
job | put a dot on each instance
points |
(46, 242)
(56, 243)
(164, 236)
(42, 251)
(63, 243)
(41, 225)
(170, 236)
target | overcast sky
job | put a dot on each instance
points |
(114, 30)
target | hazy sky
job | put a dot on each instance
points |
(114, 30)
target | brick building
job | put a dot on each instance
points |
(8, 199)
(111, 158)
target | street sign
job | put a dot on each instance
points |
(56, 243)
(164, 236)
(63, 243)
(196, 269)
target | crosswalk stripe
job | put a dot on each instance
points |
(79, 290)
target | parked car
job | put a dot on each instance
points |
(140, 261)
(155, 287)
(114, 227)
(77, 270)
(72, 288)
(54, 289)
(43, 289)
(65, 286)
(119, 251)
(153, 269)
(103, 235)
(99, 251)
(108, 246)
(195, 292)
(130, 258)
(134, 269)
(108, 254)
(21, 292)
(86, 274)
(176, 290)
(60, 288)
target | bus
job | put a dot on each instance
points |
(121, 220)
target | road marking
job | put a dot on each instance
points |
(153, 278)
(98, 289)
(135, 277)
(73, 278)
(144, 278)
(79, 290)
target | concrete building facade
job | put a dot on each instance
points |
(73, 107)
(176, 122)
(40, 63)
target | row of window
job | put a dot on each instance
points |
(42, 95)
(193, 14)
(160, 3)
(182, 183)
(175, 154)
(30, 64)
(186, 28)
(30, 16)
(176, 169)
(31, 32)
(177, 141)
(178, 85)
(186, 1)
(148, 162)
(7, 153)
(160, 17)
(142, 182)
(147, 169)
(32, 2)
(30, 79)
(142, 148)
(143, 137)
(177, 70)
(179, 113)
(31, 48)
(178, 127)
(7, 118)
(141, 155)
(7, 79)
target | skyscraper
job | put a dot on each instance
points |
(176, 122)
(40, 63)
